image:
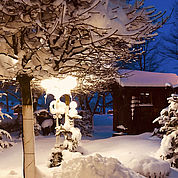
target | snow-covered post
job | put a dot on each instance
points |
(57, 108)
(28, 127)
(59, 88)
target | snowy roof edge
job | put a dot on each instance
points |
(135, 78)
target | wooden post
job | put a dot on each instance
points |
(28, 127)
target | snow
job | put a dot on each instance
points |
(149, 79)
(166, 146)
(101, 154)
(7, 66)
(121, 127)
(95, 166)
(149, 166)
(47, 123)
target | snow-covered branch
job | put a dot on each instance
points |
(53, 38)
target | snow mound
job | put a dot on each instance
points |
(67, 155)
(94, 166)
(149, 166)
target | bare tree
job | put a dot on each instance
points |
(169, 41)
(44, 38)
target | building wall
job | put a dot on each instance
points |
(138, 117)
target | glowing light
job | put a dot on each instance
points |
(70, 82)
(57, 107)
(59, 87)
(73, 104)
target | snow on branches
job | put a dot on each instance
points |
(84, 38)
(169, 127)
(5, 138)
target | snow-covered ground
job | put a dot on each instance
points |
(101, 157)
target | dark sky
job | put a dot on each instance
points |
(170, 66)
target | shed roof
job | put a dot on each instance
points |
(136, 78)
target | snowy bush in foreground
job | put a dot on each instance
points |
(169, 148)
(169, 122)
(94, 166)
(149, 167)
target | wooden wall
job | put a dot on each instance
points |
(141, 120)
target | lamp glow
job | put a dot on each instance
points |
(59, 87)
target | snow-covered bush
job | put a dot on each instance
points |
(37, 128)
(5, 139)
(72, 137)
(85, 123)
(149, 166)
(169, 148)
(71, 134)
(169, 128)
(44, 122)
(94, 166)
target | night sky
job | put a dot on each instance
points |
(169, 65)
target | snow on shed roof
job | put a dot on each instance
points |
(147, 79)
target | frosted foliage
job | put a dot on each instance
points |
(169, 148)
(5, 139)
(62, 37)
(2, 115)
(7, 66)
(73, 113)
(85, 123)
(168, 120)
(149, 166)
(76, 135)
(70, 143)
(102, 19)
(94, 166)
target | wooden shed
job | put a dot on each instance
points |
(139, 98)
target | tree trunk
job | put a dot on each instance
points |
(7, 103)
(28, 127)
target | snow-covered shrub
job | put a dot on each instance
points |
(169, 148)
(168, 120)
(37, 129)
(149, 166)
(55, 158)
(71, 134)
(85, 123)
(44, 122)
(94, 166)
(73, 137)
(5, 139)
